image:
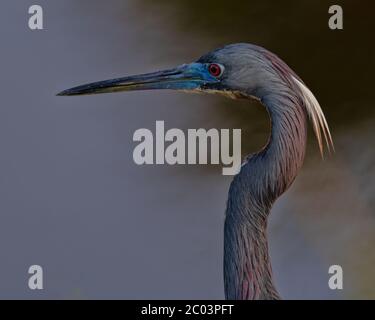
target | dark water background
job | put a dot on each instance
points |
(73, 201)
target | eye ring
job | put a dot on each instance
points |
(216, 70)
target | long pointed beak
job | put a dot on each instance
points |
(185, 77)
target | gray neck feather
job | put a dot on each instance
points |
(262, 179)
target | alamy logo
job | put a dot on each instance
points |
(36, 18)
(335, 281)
(174, 147)
(36, 279)
(335, 22)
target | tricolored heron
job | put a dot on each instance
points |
(246, 71)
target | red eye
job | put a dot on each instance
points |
(215, 70)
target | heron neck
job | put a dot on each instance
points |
(284, 153)
(262, 179)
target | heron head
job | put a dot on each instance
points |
(235, 70)
(229, 70)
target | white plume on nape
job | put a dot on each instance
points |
(316, 116)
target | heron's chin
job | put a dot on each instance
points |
(226, 93)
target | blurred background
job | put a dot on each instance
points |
(73, 201)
